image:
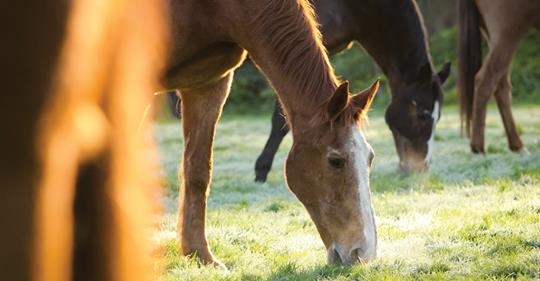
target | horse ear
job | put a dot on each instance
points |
(362, 101)
(338, 101)
(444, 72)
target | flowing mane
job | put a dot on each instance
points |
(420, 52)
(297, 42)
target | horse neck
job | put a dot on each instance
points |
(286, 45)
(399, 46)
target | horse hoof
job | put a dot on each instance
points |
(219, 265)
(477, 150)
(260, 179)
(523, 151)
(212, 262)
(204, 257)
(260, 176)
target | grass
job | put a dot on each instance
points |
(471, 217)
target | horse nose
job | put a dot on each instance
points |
(356, 255)
(333, 256)
(413, 166)
(360, 255)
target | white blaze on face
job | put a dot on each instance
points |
(360, 151)
(435, 116)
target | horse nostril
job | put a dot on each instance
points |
(357, 255)
(333, 256)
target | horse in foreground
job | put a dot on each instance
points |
(329, 162)
(504, 24)
(73, 204)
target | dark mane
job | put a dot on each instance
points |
(422, 50)
(418, 54)
(399, 45)
(297, 42)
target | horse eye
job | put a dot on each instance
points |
(336, 162)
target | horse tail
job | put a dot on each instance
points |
(469, 58)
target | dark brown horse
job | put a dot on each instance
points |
(329, 162)
(77, 78)
(398, 45)
(504, 24)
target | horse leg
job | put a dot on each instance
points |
(486, 81)
(278, 132)
(493, 77)
(503, 96)
(201, 110)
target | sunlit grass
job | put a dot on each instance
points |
(471, 217)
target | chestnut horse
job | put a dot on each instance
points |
(77, 77)
(329, 162)
(398, 45)
(504, 24)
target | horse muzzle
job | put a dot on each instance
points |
(412, 158)
(355, 255)
(413, 165)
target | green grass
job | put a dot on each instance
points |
(471, 217)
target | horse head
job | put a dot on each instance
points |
(328, 170)
(412, 116)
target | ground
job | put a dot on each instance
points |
(471, 217)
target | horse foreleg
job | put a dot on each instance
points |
(503, 96)
(279, 130)
(201, 110)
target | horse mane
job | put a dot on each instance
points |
(418, 32)
(403, 32)
(298, 44)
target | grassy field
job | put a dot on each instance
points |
(471, 217)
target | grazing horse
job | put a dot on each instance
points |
(328, 165)
(504, 24)
(398, 45)
(72, 199)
